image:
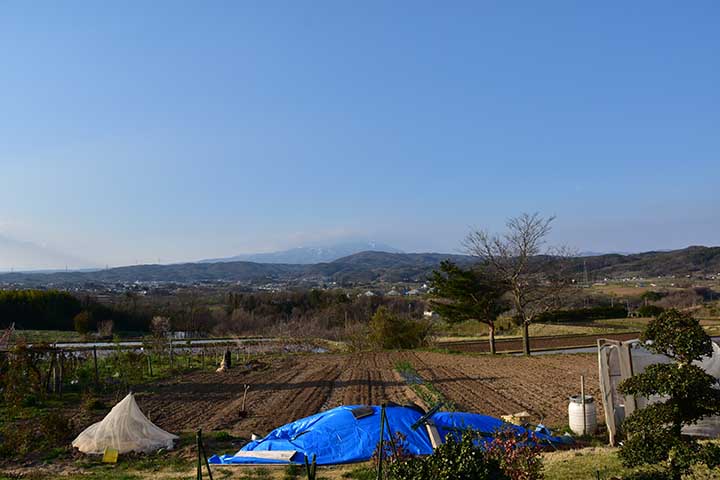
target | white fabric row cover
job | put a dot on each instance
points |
(125, 429)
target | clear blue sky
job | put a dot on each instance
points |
(137, 131)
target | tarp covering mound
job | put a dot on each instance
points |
(455, 423)
(349, 434)
(125, 429)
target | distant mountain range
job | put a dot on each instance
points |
(370, 266)
(24, 255)
(308, 255)
(361, 267)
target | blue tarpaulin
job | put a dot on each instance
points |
(454, 423)
(351, 433)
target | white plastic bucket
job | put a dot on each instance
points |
(575, 415)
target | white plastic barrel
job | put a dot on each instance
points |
(575, 415)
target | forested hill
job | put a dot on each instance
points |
(688, 261)
(371, 267)
(358, 268)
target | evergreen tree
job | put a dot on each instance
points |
(468, 294)
(654, 433)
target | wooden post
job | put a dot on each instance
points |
(171, 354)
(526, 338)
(369, 389)
(53, 373)
(202, 355)
(62, 372)
(247, 387)
(582, 398)
(381, 447)
(310, 469)
(198, 474)
(149, 358)
(96, 366)
(202, 455)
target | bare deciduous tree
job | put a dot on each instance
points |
(536, 275)
(105, 328)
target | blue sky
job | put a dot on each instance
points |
(138, 131)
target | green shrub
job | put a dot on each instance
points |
(702, 472)
(19, 438)
(223, 436)
(292, 472)
(22, 376)
(453, 460)
(55, 428)
(361, 473)
(387, 331)
(519, 456)
(654, 434)
(83, 322)
(15, 439)
(90, 402)
(650, 311)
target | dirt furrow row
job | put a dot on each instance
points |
(295, 386)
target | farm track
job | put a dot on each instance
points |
(295, 386)
(507, 345)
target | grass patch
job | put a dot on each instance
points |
(425, 390)
(259, 473)
(47, 336)
(292, 472)
(478, 331)
(585, 463)
(222, 436)
(593, 462)
(361, 473)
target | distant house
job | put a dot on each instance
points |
(393, 293)
(414, 291)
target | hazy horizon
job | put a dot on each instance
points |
(144, 132)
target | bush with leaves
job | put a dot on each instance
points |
(506, 457)
(83, 322)
(453, 460)
(519, 455)
(388, 330)
(649, 311)
(24, 375)
(18, 438)
(654, 433)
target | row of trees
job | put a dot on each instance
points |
(55, 310)
(330, 314)
(516, 272)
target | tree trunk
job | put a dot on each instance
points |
(526, 338)
(492, 339)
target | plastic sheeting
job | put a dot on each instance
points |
(454, 423)
(337, 436)
(126, 429)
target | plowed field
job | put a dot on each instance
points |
(295, 386)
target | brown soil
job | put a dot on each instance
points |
(300, 385)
